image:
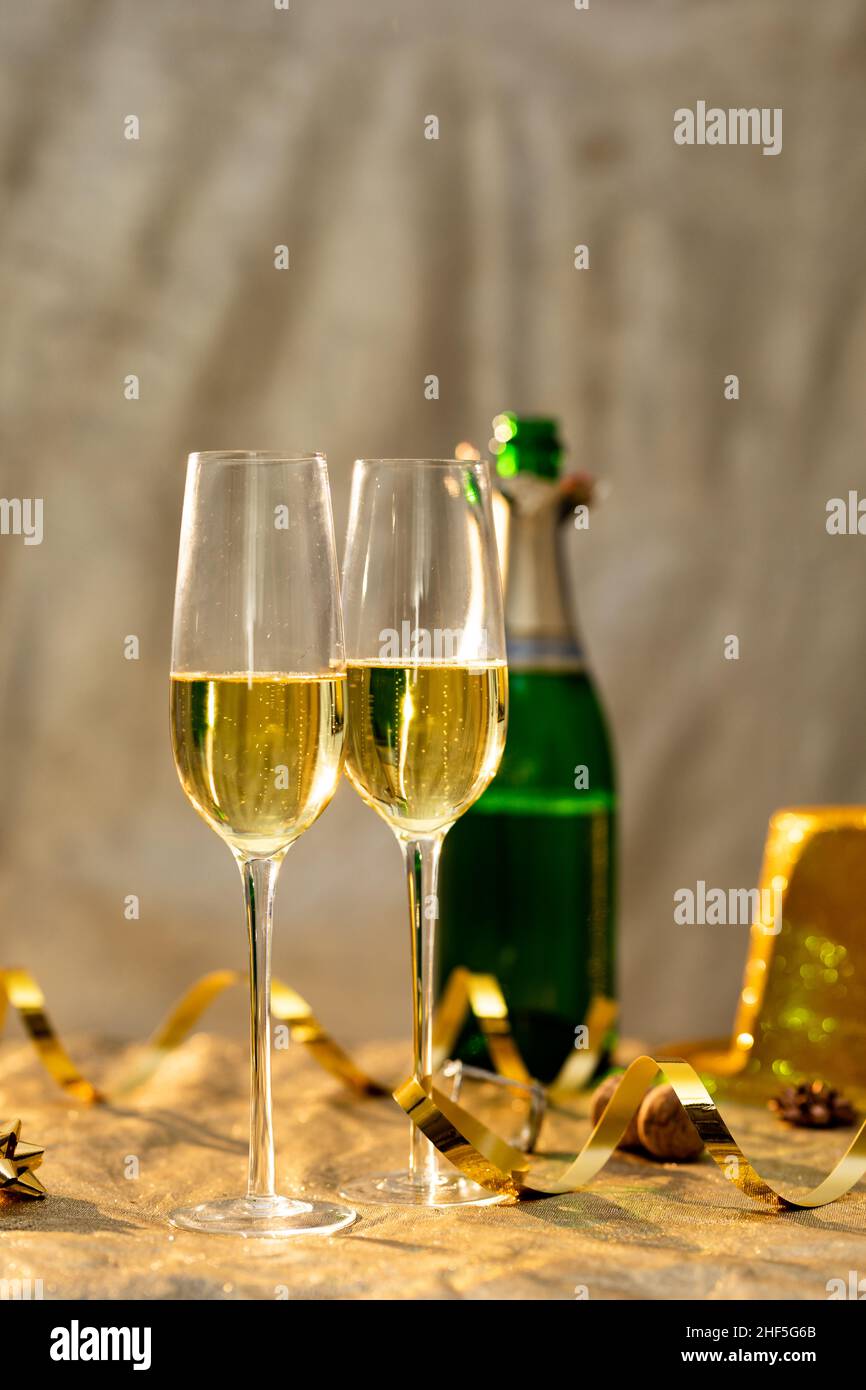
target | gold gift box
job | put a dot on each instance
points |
(801, 1013)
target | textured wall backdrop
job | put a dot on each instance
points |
(411, 257)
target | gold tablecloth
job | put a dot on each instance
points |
(643, 1230)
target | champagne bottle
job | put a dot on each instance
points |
(528, 874)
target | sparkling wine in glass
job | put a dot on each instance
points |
(427, 704)
(258, 701)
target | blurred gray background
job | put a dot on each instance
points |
(411, 257)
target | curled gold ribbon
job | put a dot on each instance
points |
(481, 995)
(461, 1137)
(489, 1160)
(465, 993)
(287, 1006)
(25, 996)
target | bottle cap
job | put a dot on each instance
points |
(525, 444)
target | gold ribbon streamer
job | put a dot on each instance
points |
(288, 1007)
(481, 995)
(465, 992)
(24, 994)
(460, 1136)
(496, 1165)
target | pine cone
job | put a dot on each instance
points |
(813, 1105)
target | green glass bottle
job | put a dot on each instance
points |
(528, 874)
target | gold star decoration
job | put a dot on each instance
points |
(17, 1162)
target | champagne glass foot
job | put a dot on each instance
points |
(272, 1218)
(407, 1189)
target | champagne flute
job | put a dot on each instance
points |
(427, 702)
(257, 722)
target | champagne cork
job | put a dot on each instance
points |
(602, 1095)
(661, 1128)
(664, 1128)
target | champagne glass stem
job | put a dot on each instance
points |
(260, 881)
(421, 858)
